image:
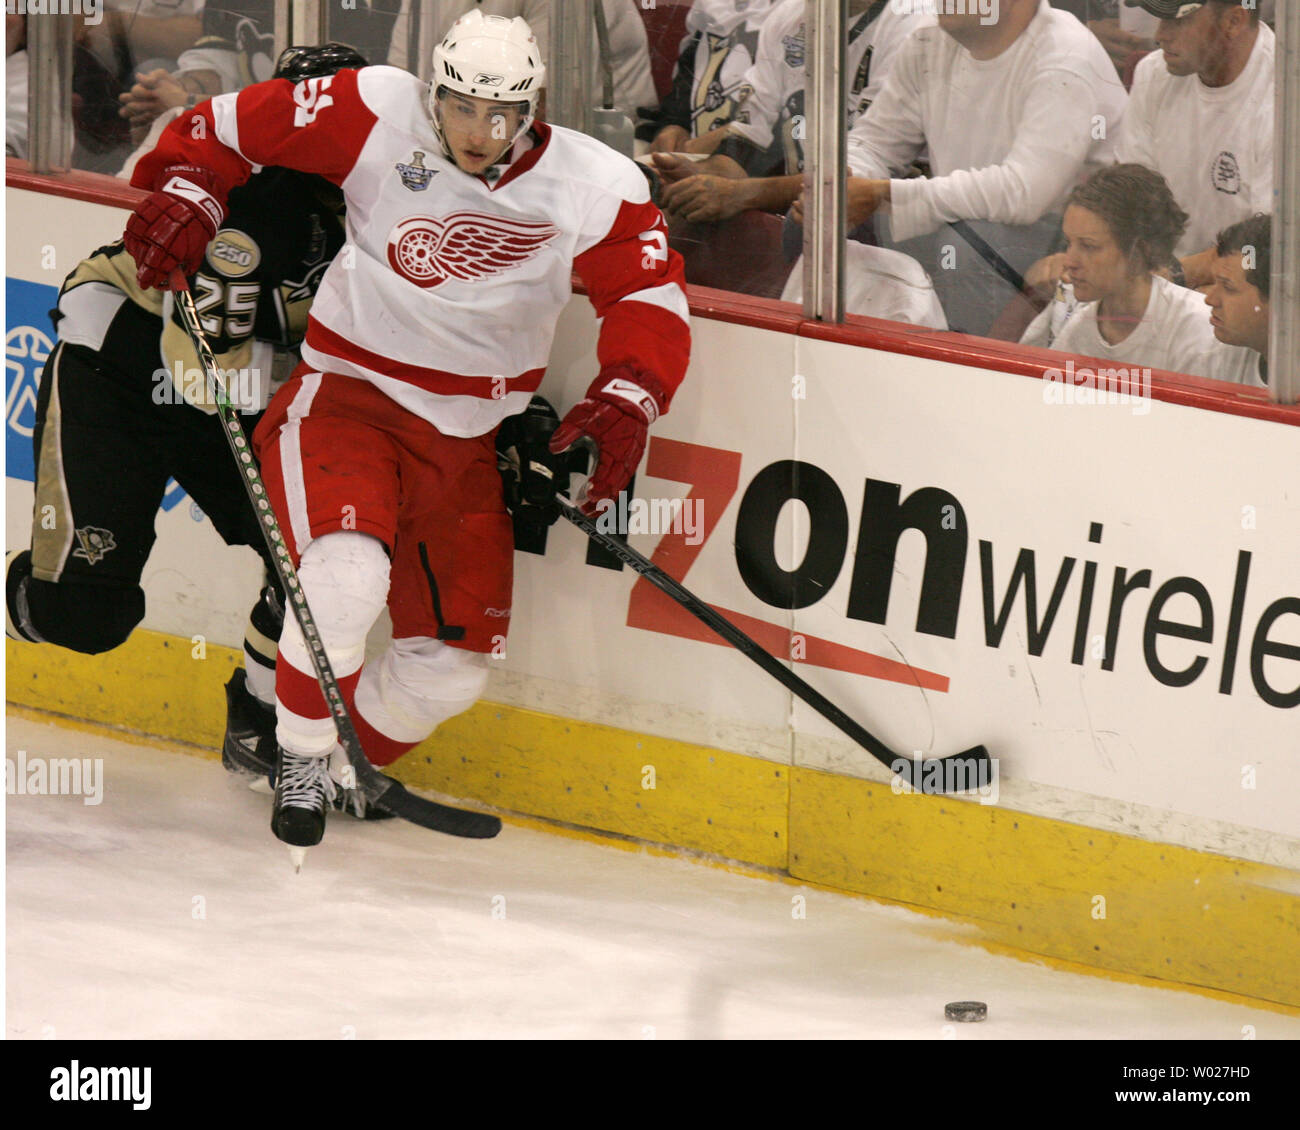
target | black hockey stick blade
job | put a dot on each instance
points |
(395, 798)
(956, 772)
(380, 790)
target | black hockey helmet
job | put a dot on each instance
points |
(298, 63)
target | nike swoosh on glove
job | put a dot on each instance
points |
(172, 227)
(616, 413)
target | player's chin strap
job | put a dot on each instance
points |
(380, 790)
(957, 772)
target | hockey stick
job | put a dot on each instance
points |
(966, 770)
(379, 789)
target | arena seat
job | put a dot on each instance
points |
(742, 254)
(665, 25)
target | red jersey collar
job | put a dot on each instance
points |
(520, 165)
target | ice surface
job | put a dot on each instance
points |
(168, 910)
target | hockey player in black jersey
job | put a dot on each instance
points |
(124, 406)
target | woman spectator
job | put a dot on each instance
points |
(1120, 228)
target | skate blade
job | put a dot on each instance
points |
(261, 785)
(298, 856)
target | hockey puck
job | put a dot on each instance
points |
(966, 1011)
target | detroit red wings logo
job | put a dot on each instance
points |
(466, 245)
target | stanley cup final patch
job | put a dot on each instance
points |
(93, 543)
(415, 176)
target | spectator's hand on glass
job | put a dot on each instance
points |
(701, 199)
(673, 167)
(670, 139)
(153, 94)
(864, 197)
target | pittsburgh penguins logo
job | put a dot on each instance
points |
(467, 246)
(93, 543)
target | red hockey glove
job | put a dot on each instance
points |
(617, 412)
(172, 227)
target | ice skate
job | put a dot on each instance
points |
(303, 791)
(249, 746)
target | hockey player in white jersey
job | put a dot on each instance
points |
(465, 219)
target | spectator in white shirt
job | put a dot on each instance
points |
(1201, 114)
(1238, 299)
(1015, 111)
(1120, 229)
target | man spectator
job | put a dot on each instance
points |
(771, 106)
(1201, 114)
(1049, 102)
(1238, 299)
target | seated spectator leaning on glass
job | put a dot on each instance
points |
(1015, 107)
(733, 178)
(1238, 299)
(1201, 115)
(1120, 228)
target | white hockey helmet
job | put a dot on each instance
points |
(489, 57)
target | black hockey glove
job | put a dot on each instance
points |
(531, 475)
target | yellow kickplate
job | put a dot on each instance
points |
(583, 773)
(1063, 890)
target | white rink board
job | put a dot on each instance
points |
(1116, 748)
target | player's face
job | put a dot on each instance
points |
(1238, 311)
(1094, 263)
(1193, 42)
(477, 130)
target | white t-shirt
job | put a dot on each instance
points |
(880, 283)
(1009, 137)
(772, 92)
(1174, 334)
(1214, 145)
(1235, 363)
